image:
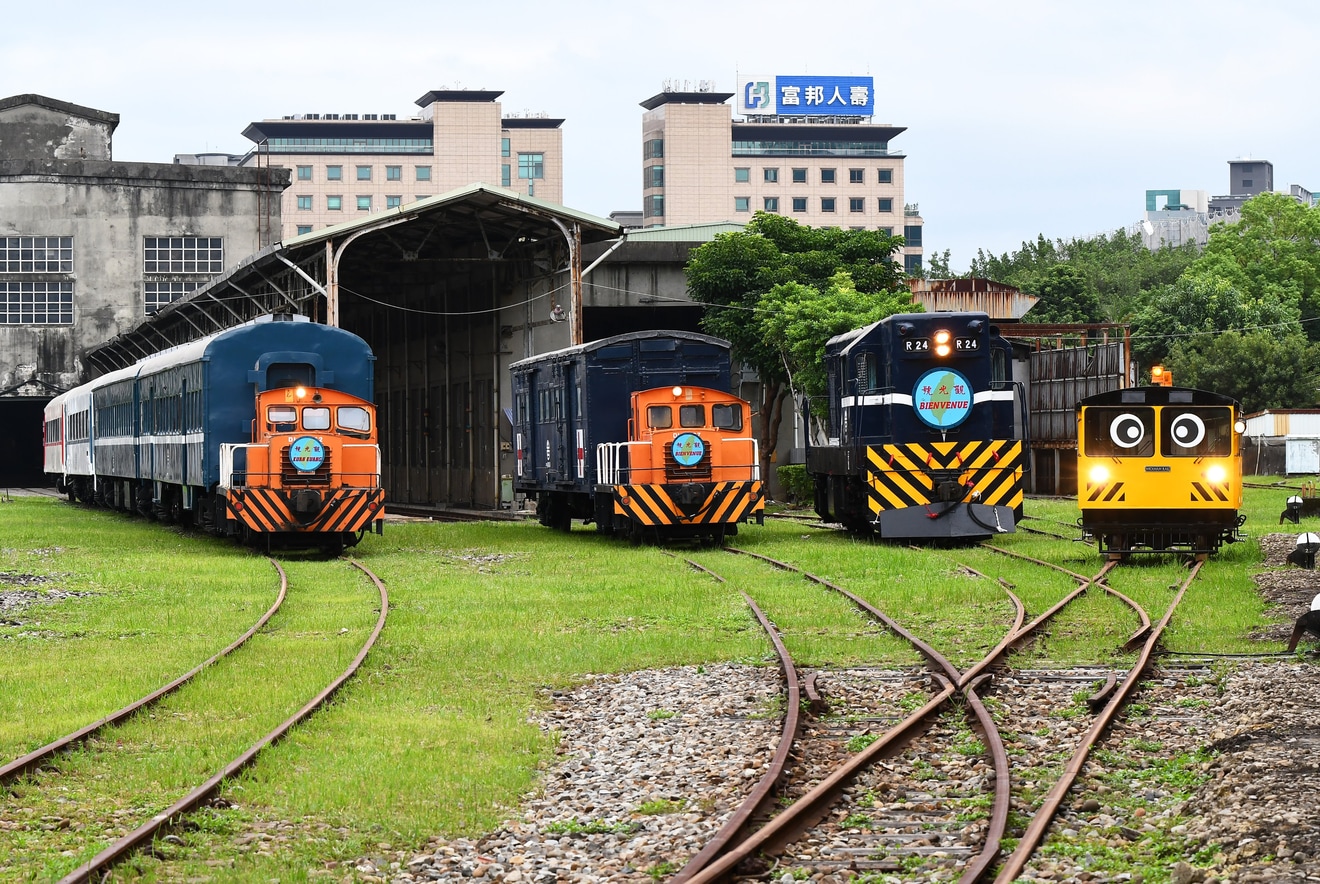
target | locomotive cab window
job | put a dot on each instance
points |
(282, 418)
(1120, 432)
(659, 417)
(289, 374)
(692, 415)
(316, 418)
(726, 417)
(354, 419)
(1196, 432)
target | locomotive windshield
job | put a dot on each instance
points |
(1196, 432)
(659, 417)
(726, 417)
(1119, 432)
(692, 415)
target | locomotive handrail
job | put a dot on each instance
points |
(609, 460)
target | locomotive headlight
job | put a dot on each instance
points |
(942, 347)
(678, 391)
(1099, 473)
(301, 392)
(1239, 427)
(1216, 473)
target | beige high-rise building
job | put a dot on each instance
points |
(789, 152)
(348, 165)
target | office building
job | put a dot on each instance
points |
(347, 165)
(803, 147)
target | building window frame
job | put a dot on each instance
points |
(304, 203)
(856, 176)
(364, 202)
(363, 173)
(827, 204)
(304, 173)
(886, 204)
(183, 254)
(771, 203)
(799, 176)
(423, 173)
(393, 202)
(856, 204)
(334, 203)
(33, 302)
(531, 166)
(742, 204)
(770, 175)
(334, 173)
(394, 173)
(36, 254)
(828, 176)
(799, 204)
(885, 176)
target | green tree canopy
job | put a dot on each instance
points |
(801, 319)
(1260, 369)
(1065, 296)
(1202, 305)
(826, 279)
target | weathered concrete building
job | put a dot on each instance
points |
(89, 247)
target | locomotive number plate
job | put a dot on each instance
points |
(962, 345)
(916, 345)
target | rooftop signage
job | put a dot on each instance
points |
(797, 96)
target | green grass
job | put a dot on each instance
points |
(433, 739)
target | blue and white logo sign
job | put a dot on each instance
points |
(306, 453)
(942, 398)
(688, 449)
(794, 96)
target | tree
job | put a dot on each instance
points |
(801, 319)
(1203, 305)
(1065, 297)
(736, 272)
(1260, 369)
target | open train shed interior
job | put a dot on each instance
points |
(447, 291)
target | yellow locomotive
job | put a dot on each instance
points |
(1159, 469)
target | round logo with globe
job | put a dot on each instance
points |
(306, 453)
(942, 398)
(688, 449)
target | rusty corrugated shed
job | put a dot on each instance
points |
(1002, 302)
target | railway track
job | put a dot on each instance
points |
(42, 770)
(883, 809)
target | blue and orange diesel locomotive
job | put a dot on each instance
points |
(265, 431)
(924, 430)
(639, 434)
(1159, 469)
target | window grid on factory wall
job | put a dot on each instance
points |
(36, 254)
(183, 254)
(36, 303)
(157, 294)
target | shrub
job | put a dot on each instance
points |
(798, 486)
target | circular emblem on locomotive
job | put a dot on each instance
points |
(942, 398)
(306, 453)
(688, 449)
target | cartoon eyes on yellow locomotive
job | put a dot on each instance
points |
(1183, 432)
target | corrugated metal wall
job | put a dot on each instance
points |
(1061, 378)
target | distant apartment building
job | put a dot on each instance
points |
(803, 147)
(347, 165)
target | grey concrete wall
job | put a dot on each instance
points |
(109, 208)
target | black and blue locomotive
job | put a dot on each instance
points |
(921, 438)
(639, 434)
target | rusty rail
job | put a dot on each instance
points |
(194, 799)
(1035, 832)
(30, 761)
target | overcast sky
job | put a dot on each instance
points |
(1022, 116)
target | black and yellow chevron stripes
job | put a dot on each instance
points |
(725, 503)
(268, 511)
(1209, 492)
(912, 474)
(1106, 492)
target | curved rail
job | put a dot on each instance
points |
(190, 802)
(20, 766)
(1044, 815)
(790, 824)
(759, 797)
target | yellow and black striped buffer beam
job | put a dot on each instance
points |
(719, 503)
(911, 474)
(268, 511)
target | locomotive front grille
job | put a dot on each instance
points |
(676, 472)
(292, 476)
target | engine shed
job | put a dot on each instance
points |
(448, 291)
